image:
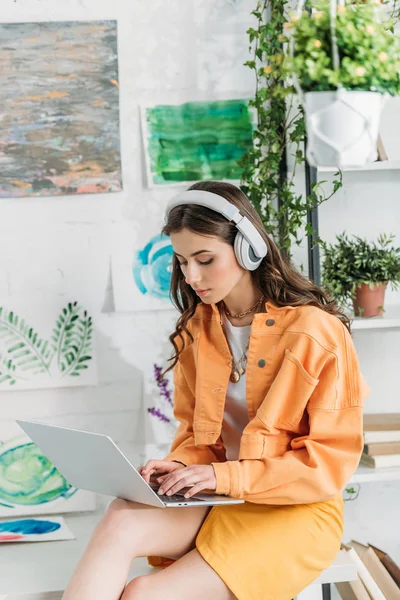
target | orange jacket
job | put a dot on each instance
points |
(304, 396)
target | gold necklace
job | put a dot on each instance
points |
(238, 367)
(246, 312)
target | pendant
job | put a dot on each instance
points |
(234, 376)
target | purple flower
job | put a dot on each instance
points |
(156, 412)
(162, 383)
(165, 393)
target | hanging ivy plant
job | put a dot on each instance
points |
(266, 179)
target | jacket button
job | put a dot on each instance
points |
(270, 322)
(261, 363)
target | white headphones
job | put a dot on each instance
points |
(249, 246)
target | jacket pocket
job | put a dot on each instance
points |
(287, 398)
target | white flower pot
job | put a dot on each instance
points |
(342, 127)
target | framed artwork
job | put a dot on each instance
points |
(59, 93)
(30, 484)
(141, 266)
(45, 345)
(36, 529)
(194, 141)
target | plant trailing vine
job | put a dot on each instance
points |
(280, 128)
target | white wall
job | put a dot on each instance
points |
(170, 51)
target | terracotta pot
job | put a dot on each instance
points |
(369, 300)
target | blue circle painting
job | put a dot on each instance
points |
(152, 267)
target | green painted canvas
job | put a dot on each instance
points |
(197, 140)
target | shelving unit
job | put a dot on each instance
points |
(384, 165)
(365, 474)
(311, 178)
(390, 319)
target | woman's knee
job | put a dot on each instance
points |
(138, 588)
(116, 512)
(118, 506)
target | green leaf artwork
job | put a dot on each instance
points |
(25, 355)
(27, 477)
(196, 140)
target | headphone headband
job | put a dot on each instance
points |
(228, 210)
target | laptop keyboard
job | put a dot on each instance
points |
(178, 498)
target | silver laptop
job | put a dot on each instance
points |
(92, 461)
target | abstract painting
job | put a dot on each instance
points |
(30, 484)
(39, 352)
(36, 529)
(59, 98)
(141, 267)
(196, 140)
(152, 267)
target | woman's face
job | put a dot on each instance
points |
(208, 264)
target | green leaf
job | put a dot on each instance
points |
(73, 341)
(25, 350)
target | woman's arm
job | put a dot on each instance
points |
(183, 448)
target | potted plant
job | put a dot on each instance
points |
(344, 61)
(355, 270)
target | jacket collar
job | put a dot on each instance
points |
(211, 312)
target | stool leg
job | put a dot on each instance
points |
(312, 592)
(326, 591)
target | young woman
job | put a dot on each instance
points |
(269, 395)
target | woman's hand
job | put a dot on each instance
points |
(202, 477)
(157, 467)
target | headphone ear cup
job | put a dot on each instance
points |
(244, 253)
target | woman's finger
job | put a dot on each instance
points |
(160, 465)
(152, 467)
(169, 479)
(149, 473)
(146, 475)
(178, 480)
(196, 489)
(151, 464)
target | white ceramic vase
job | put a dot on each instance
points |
(342, 127)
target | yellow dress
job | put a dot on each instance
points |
(269, 552)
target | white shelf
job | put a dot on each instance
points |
(390, 319)
(384, 165)
(365, 474)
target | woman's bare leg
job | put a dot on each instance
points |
(189, 577)
(129, 530)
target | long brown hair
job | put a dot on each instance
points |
(276, 277)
